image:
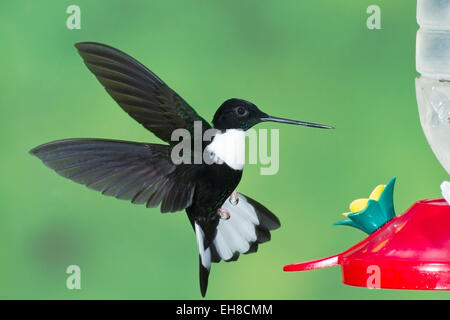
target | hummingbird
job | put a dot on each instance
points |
(226, 223)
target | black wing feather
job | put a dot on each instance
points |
(143, 95)
(140, 172)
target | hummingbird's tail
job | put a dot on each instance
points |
(249, 225)
(204, 259)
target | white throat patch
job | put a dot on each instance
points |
(229, 147)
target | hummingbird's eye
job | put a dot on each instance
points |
(241, 111)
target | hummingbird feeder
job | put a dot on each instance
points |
(412, 250)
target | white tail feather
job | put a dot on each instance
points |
(249, 225)
(235, 235)
(205, 255)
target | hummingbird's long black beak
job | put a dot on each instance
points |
(296, 122)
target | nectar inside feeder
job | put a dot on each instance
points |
(410, 251)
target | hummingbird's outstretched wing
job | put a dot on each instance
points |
(249, 225)
(143, 95)
(140, 172)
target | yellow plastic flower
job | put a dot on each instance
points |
(370, 214)
(361, 204)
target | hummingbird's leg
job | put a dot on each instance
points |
(234, 198)
(223, 213)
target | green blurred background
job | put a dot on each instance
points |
(311, 60)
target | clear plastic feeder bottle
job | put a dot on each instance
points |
(433, 86)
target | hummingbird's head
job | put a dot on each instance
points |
(241, 114)
(237, 114)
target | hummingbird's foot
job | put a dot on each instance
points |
(234, 198)
(224, 214)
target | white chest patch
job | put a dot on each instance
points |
(229, 147)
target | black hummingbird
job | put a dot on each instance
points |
(226, 223)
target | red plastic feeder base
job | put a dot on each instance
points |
(411, 251)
